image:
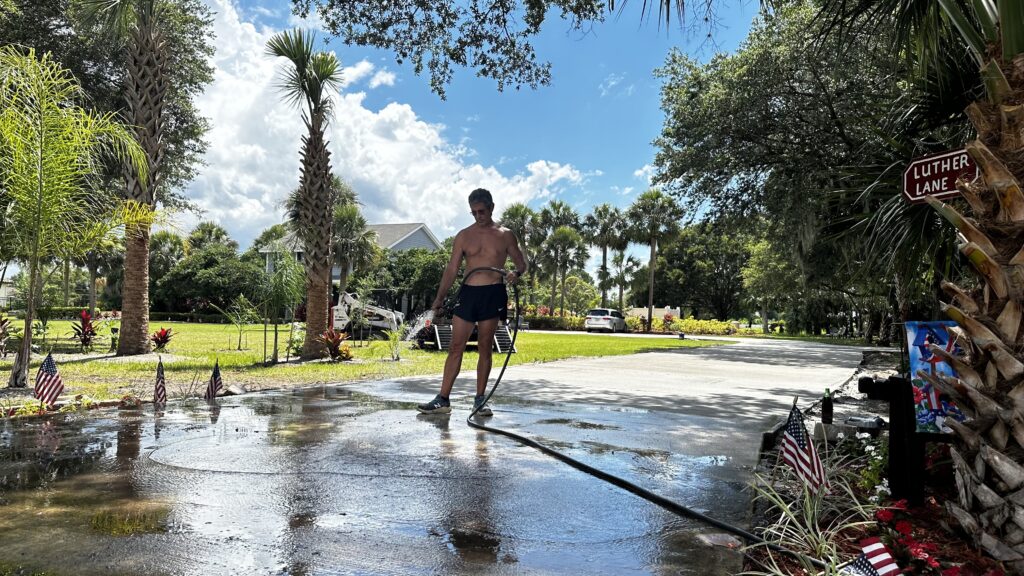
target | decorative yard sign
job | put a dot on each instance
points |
(930, 406)
(935, 175)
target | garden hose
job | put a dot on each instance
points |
(670, 505)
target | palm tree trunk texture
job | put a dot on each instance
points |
(316, 206)
(134, 335)
(989, 388)
(650, 284)
(146, 87)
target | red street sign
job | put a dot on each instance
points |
(935, 175)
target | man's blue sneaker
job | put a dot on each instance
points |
(481, 408)
(439, 405)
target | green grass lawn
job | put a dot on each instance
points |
(194, 348)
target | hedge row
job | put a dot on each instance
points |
(187, 317)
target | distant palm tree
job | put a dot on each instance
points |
(308, 82)
(140, 23)
(107, 253)
(604, 229)
(623, 269)
(353, 243)
(208, 233)
(563, 248)
(653, 218)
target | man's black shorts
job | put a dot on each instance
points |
(477, 303)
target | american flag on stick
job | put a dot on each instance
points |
(875, 560)
(215, 382)
(799, 452)
(160, 389)
(48, 382)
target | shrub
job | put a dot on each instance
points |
(161, 338)
(334, 344)
(668, 319)
(85, 331)
(636, 323)
(296, 337)
(691, 325)
(187, 317)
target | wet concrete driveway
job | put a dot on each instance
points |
(350, 480)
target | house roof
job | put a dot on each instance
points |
(388, 235)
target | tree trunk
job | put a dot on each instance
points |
(603, 276)
(273, 358)
(561, 301)
(554, 291)
(19, 371)
(650, 284)
(134, 335)
(67, 283)
(621, 303)
(316, 316)
(93, 275)
(764, 316)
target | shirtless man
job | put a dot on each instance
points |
(483, 299)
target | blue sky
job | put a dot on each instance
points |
(412, 157)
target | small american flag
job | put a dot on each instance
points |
(48, 382)
(798, 450)
(215, 382)
(875, 560)
(160, 390)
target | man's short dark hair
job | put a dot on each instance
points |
(481, 196)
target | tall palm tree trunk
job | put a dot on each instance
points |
(316, 205)
(554, 291)
(19, 370)
(650, 284)
(134, 335)
(146, 87)
(561, 302)
(990, 385)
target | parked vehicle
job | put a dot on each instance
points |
(377, 317)
(605, 319)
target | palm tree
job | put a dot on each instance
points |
(623, 269)
(653, 218)
(99, 258)
(49, 149)
(563, 248)
(603, 229)
(354, 245)
(989, 454)
(140, 23)
(207, 233)
(285, 287)
(308, 82)
(166, 249)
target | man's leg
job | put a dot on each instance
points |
(485, 330)
(461, 330)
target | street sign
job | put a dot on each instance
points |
(935, 175)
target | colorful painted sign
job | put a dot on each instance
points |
(930, 406)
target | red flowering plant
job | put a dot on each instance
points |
(85, 330)
(921, 547)
(161, 338)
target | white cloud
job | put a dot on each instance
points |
(382, 78)
(645, 173)
(612, 85)
(404, 168)
(352, 74)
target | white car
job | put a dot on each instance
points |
(605, 319)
